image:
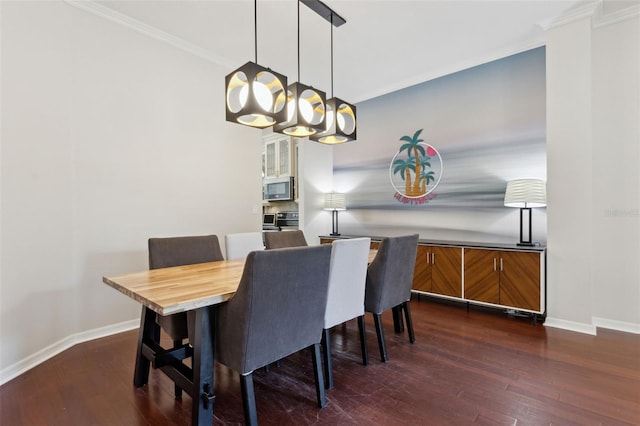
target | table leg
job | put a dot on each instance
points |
(149, 331)
(203, 358)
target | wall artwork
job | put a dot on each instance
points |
(415, 170)
(435, 158)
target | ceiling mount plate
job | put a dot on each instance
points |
(325, 11)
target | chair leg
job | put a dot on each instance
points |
(398, 325)
(326, 349)
(407, 316)
(363, 340)
(317, 372)
(248, 399)
(377, 319)
(177, 389)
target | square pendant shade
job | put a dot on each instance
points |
(255, 96)
(305, 111)
(341, 123)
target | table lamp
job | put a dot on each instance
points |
(335, 202)
(525, 194)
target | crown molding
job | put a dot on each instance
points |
(601, 19)
(595, 11)
(585, 10)
(109, 14)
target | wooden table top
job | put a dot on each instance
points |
(183, 288)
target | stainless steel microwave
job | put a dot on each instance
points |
(278, 189)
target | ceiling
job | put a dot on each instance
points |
(384, 46)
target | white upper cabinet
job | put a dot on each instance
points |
(279, 156)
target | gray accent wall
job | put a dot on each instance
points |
(487, 123)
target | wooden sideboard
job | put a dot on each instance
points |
(505, 276)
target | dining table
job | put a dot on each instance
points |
(196, 288)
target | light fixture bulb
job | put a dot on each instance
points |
(346, 119)
(305, 109)
(291, 108)
(263, 95)
(341, 121)
(244, 95)
(330, 115)
(332, 139)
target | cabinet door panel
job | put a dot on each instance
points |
(520, 280)
(422, 271)
(284, 157)
(446, 271)
(270, 160)
(481, 275)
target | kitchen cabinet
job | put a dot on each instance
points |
(503, 277)
(438, 270)
(279, 156)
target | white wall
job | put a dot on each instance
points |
(109, 137)
(570, 181)
(315, 178)
(616, 171)
(593, 110)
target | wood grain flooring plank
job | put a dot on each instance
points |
(466, 367)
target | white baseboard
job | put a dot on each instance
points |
(50, 351)
(596, 322)
(627, 327)
(579, 327)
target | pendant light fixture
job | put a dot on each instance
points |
(341, 115)
(305, 106)
(255, 95)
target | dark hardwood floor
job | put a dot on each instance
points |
(477, 367)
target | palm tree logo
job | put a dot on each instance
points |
(416, 168)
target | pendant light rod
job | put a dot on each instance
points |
(331, 54)
(255, 28)
(325, 11)
(298, 41)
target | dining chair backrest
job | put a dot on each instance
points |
(178, 251)
(278, 308)
(239, 245)
(347, 278)
(282, 239)
(390, 274)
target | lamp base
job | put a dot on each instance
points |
(525, 244)
(334, 224)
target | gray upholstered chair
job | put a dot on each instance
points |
(239, 245)
(389, 280)
(275, 240)
(177, 251)
(277, 310)
(345, 298)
